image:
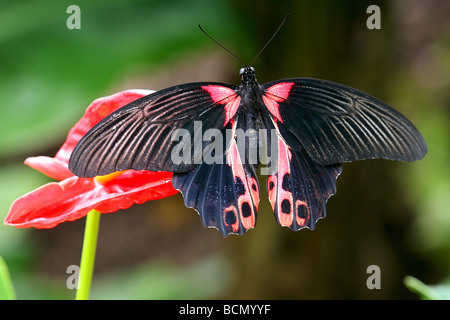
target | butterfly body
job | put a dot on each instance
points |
(215, 136)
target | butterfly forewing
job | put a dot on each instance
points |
(337, 124)
(143, 134)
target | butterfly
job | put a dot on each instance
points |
(214, 136)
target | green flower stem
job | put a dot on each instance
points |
(7, 291)
(88, 255)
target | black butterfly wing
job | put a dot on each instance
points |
(225, 193)
(298, 188)
(337, 124)
(144, 134)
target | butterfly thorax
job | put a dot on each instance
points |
(250, 91)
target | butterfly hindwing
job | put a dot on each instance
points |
(297, 187)
(337, 124)
(224, 193)
(144, 134)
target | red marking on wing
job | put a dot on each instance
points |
(251, 195)
(226, 97)
(273, 106)
(276, 192)
(298, 203)
(281, 90)
(275, 94)
(231, 209)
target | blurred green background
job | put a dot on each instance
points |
(394, 215)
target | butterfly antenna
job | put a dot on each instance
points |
(284, 20)
(222, 46)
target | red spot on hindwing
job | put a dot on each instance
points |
(247, 202)
(226, 97)
(282, 200)
(230, 218)
(301, 220)
(277, 93)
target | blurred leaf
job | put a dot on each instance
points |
(34, 286)
(201, 280)
(428, 180)
(436, 292)
(50, 74)
(6, 287)
(15, 181)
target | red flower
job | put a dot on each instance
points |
(73, 197)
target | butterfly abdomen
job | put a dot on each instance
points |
(248, 135)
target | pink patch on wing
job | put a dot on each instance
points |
(224, 96)
(231, 210)
(281, 90)
(298, 203)
(275, 94)
(275, 182)
(251, 195)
